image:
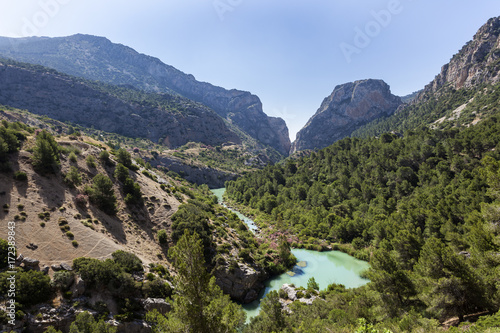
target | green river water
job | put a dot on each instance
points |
(325, 267)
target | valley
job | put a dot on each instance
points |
(140, 199)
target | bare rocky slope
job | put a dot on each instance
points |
(53, 227)
(349, 107)
(97, 58)
(476, 63)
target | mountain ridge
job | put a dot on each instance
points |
(97, 58)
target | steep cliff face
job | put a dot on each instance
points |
(350, 106)
(66, 99)
(96, 58)
(476, 63)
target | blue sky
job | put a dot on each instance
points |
(290, 53)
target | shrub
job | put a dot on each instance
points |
(162, 236)
(128, 261)
(104, 157)
(62, 280)
(20, 175)
(72, 157)
(70, 235)
(124, 157)
(73, 177)
(74, 243)
(90, 160)
(245, 254)
(157, 289)
(121, 172)
(81, 201)
(4, 251)
(32, 287)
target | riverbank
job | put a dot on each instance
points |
(320, 262)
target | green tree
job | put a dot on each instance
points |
(4, 250)
(85, 323)
(101, 193)
(73, 177)
(285, 253)
(45, 156)
(390, 280)
(121, 172)
(124, 157)
(312, 284)
(104, 157)
(446, 283)
(199, 304)
(271, 317)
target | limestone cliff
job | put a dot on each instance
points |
(350, 106)
(476, 63)
(97, 58)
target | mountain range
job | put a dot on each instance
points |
(96, 58)
(139, 96)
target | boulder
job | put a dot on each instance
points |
(241, 283)
(30, 262)
(66, 267)
(156, 304)
(78, 287)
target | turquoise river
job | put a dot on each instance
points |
(325, 267)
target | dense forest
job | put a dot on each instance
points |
(422, 208)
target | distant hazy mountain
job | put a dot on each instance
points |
(97, 58)
(350, 106)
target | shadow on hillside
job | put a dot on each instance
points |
(7, 184)
(50, 188)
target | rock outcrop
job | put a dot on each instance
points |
(197, 174)
(292, 295)
(97, 58)
(349, 107)
(158, 304)
(67, 99)
(242, 283)
(476, 63)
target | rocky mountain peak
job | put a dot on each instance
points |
(350, 106)
(476, 63)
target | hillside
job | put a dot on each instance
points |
(167, 122)
(70, 197)
(96, 58)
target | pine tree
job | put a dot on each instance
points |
(199, 304)
(101, 193)
(46, 153)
